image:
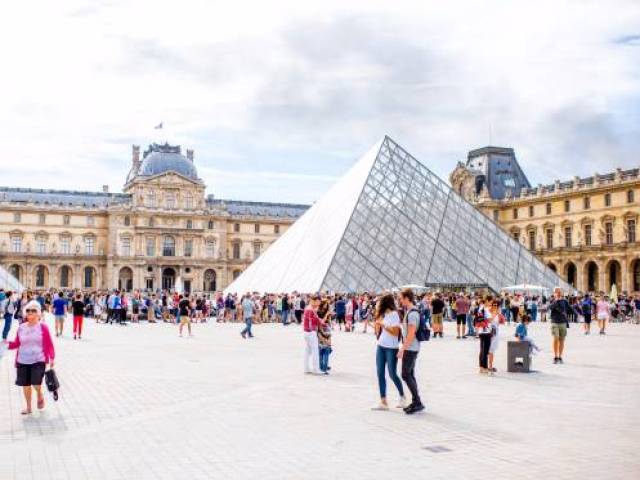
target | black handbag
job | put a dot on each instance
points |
(51, 379)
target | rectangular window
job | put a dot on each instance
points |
(236, 251)
(631, 230)
(567, 206)
(151, 247)
(515, 213)
(149, 283)
(188, 248)
(608, 231)
(256, 228)
(125, 249)
(188, 201)
(16, 244)
(151, 199)
(42, 219)
(549, 238)
(210, 248)
(91, 221)
(586, 203)
(548, 208)
(41, 245)
(236, 227)
(630, 196)
(567, 236)
(496, 215)
(531, 210)
(257, 249)
(66, 219)
(276, 228)
(65, 245)
(170, 200)
(532, 240)
(587, 235)
(607, 199)
(89, 245)
(17, 217)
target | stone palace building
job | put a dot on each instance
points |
(584, 228)
(161, 232)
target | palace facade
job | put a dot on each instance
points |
(584, 228)
(161, 232)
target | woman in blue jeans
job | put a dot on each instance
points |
(387, 327)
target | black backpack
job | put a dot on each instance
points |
(423, 333)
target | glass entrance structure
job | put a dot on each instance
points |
(9, 282)
(388, 222)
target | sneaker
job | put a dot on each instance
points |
(243, 335)
(381, 406)
(75, 338)
(555, 360)
(560, 360)
(402, 402)
(414, 409)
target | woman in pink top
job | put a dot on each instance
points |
(602, 313)
(34, 350)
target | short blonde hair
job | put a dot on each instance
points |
(33, 305)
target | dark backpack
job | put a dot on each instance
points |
(423, 333)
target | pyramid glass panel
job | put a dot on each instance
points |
(389, 222)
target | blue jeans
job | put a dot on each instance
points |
(470, 329)
(506, 313)
(8, 317)
(534, 313)
(387, 357)
(285, 317)
(324, 358)
(247, 329)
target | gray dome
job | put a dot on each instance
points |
(161, 162)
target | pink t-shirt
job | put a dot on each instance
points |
(31, 349)
(602, 308)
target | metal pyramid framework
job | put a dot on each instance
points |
(388, 222)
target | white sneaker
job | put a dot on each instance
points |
(381, 406)
(402, 402)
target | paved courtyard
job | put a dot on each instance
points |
(138, 402)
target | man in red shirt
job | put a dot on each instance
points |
(462, 308)
(310, 324)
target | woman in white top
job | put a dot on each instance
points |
(603, 313)
(495, 319)
(387, 328)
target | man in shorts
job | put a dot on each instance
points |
(184, 313)
(559, 312)
(59, 312)
(462, 309)
(437, 307)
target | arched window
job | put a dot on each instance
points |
(89, 277)
(168, 246)
(209, 281)
(65, 274)
(236, 274)
(41, 273)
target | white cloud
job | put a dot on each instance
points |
(298, 90)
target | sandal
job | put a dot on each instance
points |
(26, 411)
(40, 403)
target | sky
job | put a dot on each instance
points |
(279, 99)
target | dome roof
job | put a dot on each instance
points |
(161, 160)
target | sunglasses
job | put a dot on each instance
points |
(31, 310)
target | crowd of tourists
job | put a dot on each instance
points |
(401, 321)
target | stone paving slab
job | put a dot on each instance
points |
(140, 402)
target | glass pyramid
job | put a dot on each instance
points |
(390, 222)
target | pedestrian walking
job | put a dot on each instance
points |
(409, 349)
(34, 351)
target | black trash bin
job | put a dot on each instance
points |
(518, 357)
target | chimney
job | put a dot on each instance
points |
(105, 188)
(135, 153)
(190, 154)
